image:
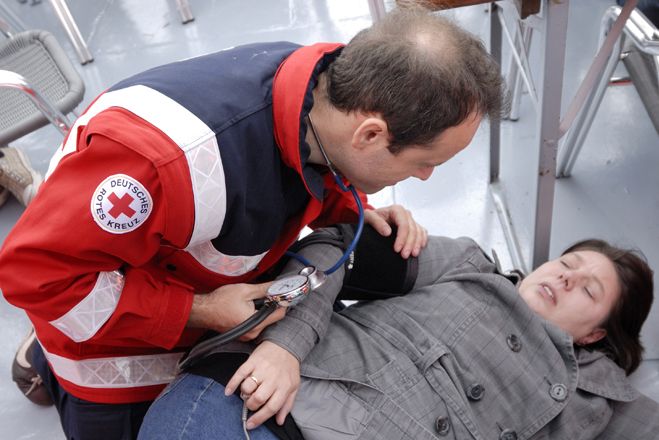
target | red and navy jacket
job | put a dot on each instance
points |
(176, 181)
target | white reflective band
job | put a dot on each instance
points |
(192, 136)
(116, 372)
(217, 262)
(208, 186)
(86, 318)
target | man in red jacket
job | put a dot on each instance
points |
(181, 184)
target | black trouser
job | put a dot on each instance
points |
(81, 419)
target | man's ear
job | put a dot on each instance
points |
(591, 337)
(371, 133)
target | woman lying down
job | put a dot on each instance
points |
(468, 353)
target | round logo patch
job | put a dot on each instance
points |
(121, 204)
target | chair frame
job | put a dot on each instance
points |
(48, 111)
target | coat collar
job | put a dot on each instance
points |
(292, 100)
(600, 375)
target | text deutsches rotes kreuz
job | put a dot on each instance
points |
(121, 204)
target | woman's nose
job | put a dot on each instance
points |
(567, 277)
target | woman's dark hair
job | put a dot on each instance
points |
(420, 72)
(622, 342)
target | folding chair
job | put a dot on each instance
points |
(638, 48)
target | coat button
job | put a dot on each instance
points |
(170, 267)
(508, 434)
(558, 392)
(442, 425)
(514, 342)
(475, 391)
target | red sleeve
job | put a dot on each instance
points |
(52, 259)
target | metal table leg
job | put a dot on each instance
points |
(549, 122)
(549, 106)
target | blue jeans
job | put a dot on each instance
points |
(195, 407)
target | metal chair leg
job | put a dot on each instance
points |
(514, 77)
(15, 81)
(11, 22)
(72, 31)
(184, 9)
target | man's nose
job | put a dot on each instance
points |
(424, 173)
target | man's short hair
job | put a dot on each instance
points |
(420, 72)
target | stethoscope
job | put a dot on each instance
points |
(286, 291)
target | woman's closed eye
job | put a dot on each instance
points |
(589, 293)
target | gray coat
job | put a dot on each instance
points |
(460, 357)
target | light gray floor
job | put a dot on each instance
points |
(611, 195)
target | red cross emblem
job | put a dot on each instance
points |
(121, 205)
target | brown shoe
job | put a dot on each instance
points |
(26, 377)
(17, 175)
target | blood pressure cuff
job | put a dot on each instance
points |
(373, 270)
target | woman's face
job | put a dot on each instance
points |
(576, 292)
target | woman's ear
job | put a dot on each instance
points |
(371, 133)
(594, 336)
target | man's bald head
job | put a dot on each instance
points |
(420, 72)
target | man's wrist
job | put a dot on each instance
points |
(198, 317)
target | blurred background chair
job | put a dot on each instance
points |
(38, 84)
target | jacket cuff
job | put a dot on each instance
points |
(174, 315)
(295, 336)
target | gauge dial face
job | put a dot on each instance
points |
(287, 285)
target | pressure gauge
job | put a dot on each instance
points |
(292, 289)
(289, 290)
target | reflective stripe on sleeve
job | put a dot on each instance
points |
(86, 318)
(202, 154)
(186, 130)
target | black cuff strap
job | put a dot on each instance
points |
(375, 270)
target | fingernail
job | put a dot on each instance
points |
(249, 425)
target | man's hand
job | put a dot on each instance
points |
(227, 306)
(411, 237)
(268, 381)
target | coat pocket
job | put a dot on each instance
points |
(325, 410)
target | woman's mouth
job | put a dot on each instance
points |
(546, 292)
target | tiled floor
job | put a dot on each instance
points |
(611, 195)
